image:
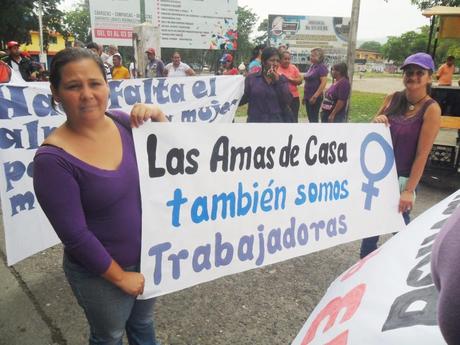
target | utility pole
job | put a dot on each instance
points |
(352, 38)
(145, 35)
(42, 57)
(142, 11)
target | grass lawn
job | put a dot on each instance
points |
(364, 106)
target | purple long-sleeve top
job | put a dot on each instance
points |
(95, 212)
(265, 101)
(445, 259)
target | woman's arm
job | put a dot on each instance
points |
(380, 117)
(428, 133)
(297, 78)
(52, 176)
(130, 282)
(141, 113)
(338, 107)
(245, 99)
(319, 91)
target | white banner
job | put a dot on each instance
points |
(26, 118)
(228, 198)
(387, 298)
(303, 33)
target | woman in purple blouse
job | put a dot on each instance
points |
(315, 82)
(334, 106)
(86, 180)
(414, 119)
(267, 92)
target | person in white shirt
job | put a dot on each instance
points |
(112, 51)
(176, 68)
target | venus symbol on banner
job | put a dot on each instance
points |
(368, 188)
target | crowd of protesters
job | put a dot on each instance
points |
(280, 75)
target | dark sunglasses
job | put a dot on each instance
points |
(417, 72)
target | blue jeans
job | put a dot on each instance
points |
(313, 109)
(109, 310)
(368, 245)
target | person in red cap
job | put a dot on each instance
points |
(19, 63)
(155, 67)
(229, 68)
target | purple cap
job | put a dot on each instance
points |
(423, 60)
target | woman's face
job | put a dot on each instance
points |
(285, 60)
(416, 77)
(83, 91)
(272, 62)
(314, 57)
(334, 73)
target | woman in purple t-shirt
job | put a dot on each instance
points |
(86, 181)
(334, 106)
(315, 82)
(414, 119)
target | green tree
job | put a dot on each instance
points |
(373, 46)
(246, 22)
(77, 22)
(422, 4)
(20, 17)
(263, 28)
(398, 48)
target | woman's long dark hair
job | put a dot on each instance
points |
(267, 53)
(342, 68)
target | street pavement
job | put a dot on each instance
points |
(38, 308)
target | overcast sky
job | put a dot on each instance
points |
(377, 18)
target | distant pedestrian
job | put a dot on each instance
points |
(267, 92)
(18, 63)
(255, 64)
(176, 68)
(291, 72)
(119, 71)
(112, 51)
(446, 72)
(97, 49)
(228, 67)
(155, 67)
(334, 107)
(133, 68)
(315, 82)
